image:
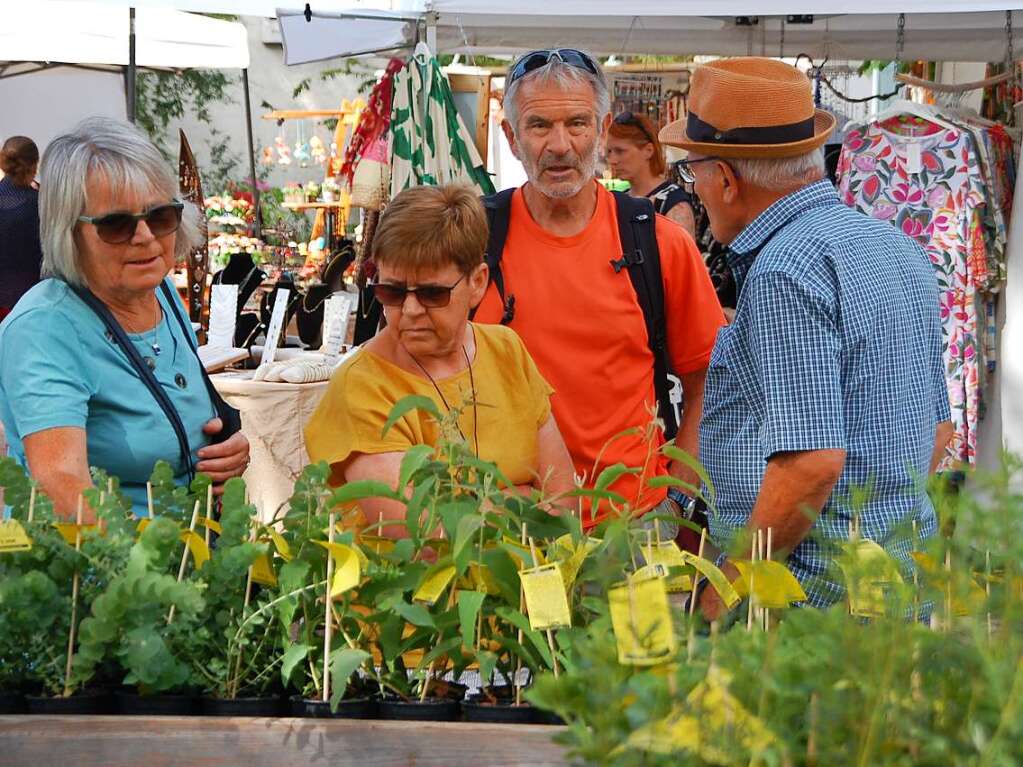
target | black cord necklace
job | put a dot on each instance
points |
(472, 384)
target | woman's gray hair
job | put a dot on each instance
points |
(566, 77)
(781, 175)
(120, 154)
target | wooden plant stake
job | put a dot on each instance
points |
(32, 503)
(245, 605)
(948, 590)
(753, 559)
(149, 498)
(522, 610)
(549, 632)
(691, 638)
(74, 600)
(770, 546)
(328, 628)
(209, 518)
(987, 590)
(916, 580)
(184, 558)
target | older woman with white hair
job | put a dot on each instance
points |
(98, 366)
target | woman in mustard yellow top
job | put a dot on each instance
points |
(428, 251)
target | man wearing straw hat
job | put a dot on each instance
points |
(830, 379)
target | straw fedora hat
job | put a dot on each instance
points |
(750, 107)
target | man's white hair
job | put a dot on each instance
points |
(783, 174)
(566, 77)
(120, 154)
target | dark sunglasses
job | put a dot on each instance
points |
(684, 171)
(429, 296)
(628, 118)
(537, 59)
(117, 228)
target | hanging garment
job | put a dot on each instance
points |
(931, 187)
(435, 147)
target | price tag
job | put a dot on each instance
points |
(13, 537)
(273, 333)
(914, 163)
(546, 601)
(717, 579)
(641, 620)
(347, 567)
(223, 316)
(336, 316)
(69, 531)
(263, 572)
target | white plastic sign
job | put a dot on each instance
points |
(223, 316)
(273, 333)
(335, 323)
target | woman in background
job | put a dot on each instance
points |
(20, 252)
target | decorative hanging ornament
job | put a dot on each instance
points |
(301, 149)
(268, 156)
(318, 150)
(283, 151)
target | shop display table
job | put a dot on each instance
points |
(273, 417)
(132, 741)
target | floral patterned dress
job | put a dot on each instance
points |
(926, 180)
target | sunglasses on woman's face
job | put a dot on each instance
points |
(118, 228)
(429, 296)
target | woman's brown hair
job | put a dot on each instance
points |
(637, 128)
(19, 159)
(428, 227)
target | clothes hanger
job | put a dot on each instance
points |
(906, 107)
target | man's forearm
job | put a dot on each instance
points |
(794, 489)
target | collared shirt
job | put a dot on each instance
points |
(836, 344)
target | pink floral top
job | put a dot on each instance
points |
(934, 193)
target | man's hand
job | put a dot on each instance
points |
(710, 603)
(685, 473)
(224, 460)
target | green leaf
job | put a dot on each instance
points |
(467, 527)
(363, 488)
(469, 604)
(407, 404)
(415, 458)
(294, 655)
(609, 475)
(685, 459)
(520, 621)
(417, 615)
(487, 662)
(343, 663)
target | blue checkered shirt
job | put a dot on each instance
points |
(836, 344)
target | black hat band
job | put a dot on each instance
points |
(702, 132)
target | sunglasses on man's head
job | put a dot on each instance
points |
(429, 296)
(118, 228)
(537, 59)
(628, 118)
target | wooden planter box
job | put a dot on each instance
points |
(129, 741)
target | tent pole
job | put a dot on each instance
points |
(252, 156)
(129, 83)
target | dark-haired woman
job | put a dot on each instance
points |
(20, 251)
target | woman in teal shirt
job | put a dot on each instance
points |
(70, 398)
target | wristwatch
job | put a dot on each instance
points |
(685, 502)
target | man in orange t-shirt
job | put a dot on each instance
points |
(580, 319)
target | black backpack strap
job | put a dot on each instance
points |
(148, 378)
(230, 418)
(498, 207)
(642, 259)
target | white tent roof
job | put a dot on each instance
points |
(74, 32)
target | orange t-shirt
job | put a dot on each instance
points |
(583, 325)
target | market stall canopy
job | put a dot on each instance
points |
(87, 33)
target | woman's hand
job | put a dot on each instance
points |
(225, 459)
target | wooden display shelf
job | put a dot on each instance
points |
(312, 205)
(135, 741)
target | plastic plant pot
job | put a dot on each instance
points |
(12, 703)
(88, 702)
(354, 708)
(478, 708)
(242, 707)
(430, 710)
(132, 704)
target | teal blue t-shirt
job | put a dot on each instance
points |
(58, 367)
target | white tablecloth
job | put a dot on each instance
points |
(273, 417)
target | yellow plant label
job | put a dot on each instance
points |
(546, 601)
(212, 524)
(141, 527)
(281, 545)
(641, 619)
(377, 543)
(869, 572)
(347, 567)
(668, 553)
(521, 554)
(433, 585)
(263, 572)
(965, 601)
(69, 530)
(197, 546)
(717, 578)
(13, 537)
(481, 579)
(774, 585)
(572, 556)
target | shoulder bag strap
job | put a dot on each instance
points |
(147, 376)
(641, 257)
(498, 208)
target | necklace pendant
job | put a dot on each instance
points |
(156, 348)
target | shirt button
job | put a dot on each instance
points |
(181, 381)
